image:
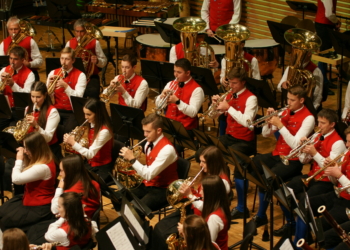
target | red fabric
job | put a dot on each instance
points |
(320, 15)
(104, 155)
(345, 169)
(179, 51)
(169, 174)
(233, 127)
(220, 13)
(249, 58)
(62, 100)
(91, 205)
(184, 94)
(311, 67)
(82, 242)
(25, 43)
(131, 88)
(324, 148)
(222, 238)
(41, 192)
(293, 124)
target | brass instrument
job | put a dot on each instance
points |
(26, 29)
(340, 189)
(81, 136)
(297, 151)
(163, 103)
(303, 43)
(3, 82)
(54, 244)
(52, 84)
(258, 122)
(301, 243)
(335, 160)
(92, 32)
(346, 120)
(212, 111)
(125, 173)
(111, 90)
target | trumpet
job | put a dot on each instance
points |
(258, 123)
(335, 160)
(111, 89)
(297, 151)
(338, 190)
(52, 85)
(163, 102)
(10, 74)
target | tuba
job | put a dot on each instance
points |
(92, 32)
(81, 136)
(303, 43)
(26, 29)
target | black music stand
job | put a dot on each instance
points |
(302, 6)
(202, 138)
(78, 104)
(168, 33)
(157, 74)
(127, 121)
(4, 61)
(225, 151)
(205, 78)
(21, 101)
(53, 63)
(5, 109)
(263, 92)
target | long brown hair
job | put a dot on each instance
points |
(196, 233)
(15, 239)
(215, 161)
(38, 148)
(215, 197)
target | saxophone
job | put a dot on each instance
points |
(212, 111)
(81, 136)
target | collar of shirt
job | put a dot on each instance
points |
(241, 91)
(68, 71)
(305, 64)
(156, 141)
(17, 70)
(329, 133)
(130, 77)
(188, 80)
(295, 111)
(92, 125)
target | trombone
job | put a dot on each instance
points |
(173, 87)
(259, 122)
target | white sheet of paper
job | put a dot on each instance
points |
(286, 245)
(119, 238)
(132, 219)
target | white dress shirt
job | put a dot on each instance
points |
(254, 65)
(347, 102)
(196, 100)
(317, 95)
(35, 173)
(166, 156)
(102, 59)
(173, 57)
(27, 84)
(79, 87)
(236, 17)
(329, 13)
(140, 95)
(54, 201)
(101, 139)
(215, 225)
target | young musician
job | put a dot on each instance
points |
(34, 59)
(98, 58)
(100, 135)
(36, 169)
(161, 164)
(346, 115)
(72, 228)
(133, 89)
(187, 96)
(296, 122)
(69, 82)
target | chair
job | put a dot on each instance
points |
(248, 234)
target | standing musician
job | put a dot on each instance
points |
(34, 59)
(100, 136)
(187, 96)
(98, 58)
(296, 122)
(63, 83)
(161, 164)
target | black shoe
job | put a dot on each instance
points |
(235, 214)
(332, 86)
(330, 92)
(281, 231)
(260, 221)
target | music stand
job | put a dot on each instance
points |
(263, 93)
(5, 110)
(77, 104)
(302, 6)
(53, 63)
(157, 74)
(168, 33)
(21, 101)
(202, 138)
(225, 151)
(4, 61)
(205, 78)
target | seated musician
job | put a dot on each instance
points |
(161, 164)
(187, 96)
(98, 58)
(327, 144)
(316, 72)
(100, 138)
(34, 59)
(346, 110)
(296, 122)
(241, 105)
(69, 82)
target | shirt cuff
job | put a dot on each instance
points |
(318, 157)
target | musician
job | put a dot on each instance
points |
(36, 169)
(71, 83)
(345, 115)
(161, 164)
(134, 89)
(316, 72)
(98, 58)
(16, 239)
(34, 59)
(100, 136)
(188, 96)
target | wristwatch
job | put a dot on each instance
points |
(133, 161)
(177, 102)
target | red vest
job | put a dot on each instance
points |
(321, 11)
(222, 238)
(62, 100)
(249, 58)
(104, 155)
(345, 169)
(179, 51)
(91, 205)
(40, 192)
(311, 67)
(293, 124)
(184, 94)
(20, 78)
(25, 43)
(168, 175)
(82, 242)
(235, 129)
(324, 148)
(220, 13)
(131, 88)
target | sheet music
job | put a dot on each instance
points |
(119, 238)
(133, 221)
(286, 245)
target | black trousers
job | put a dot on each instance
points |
(36, 233)
(332, 238)
(93, 87)
(153, 197)
(68, 121)
(102, 171)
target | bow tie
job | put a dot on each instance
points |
(150, 146)
(181, 84)
(321, 138)
(235, 95)
(127, 81)
(292, 113)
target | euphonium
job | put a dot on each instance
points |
(303, 43)
(111, 90)
(26, 29)
(81, 136)
(258, 123)
(163, 103)
(3, 82)
(125, 173)
(52, 84)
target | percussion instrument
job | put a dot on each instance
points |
(152, 47)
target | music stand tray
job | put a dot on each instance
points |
(168, 33)
(5, 110)
(157, 74)
(78, 103)
(302, 6)
(4, 61)
(53, 63)
(227, 155)
(205, 78)
(263, 93)
(202, 137)
(21, 101)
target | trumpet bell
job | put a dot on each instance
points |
(189, 24)
(233, 32)
(284, 160)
